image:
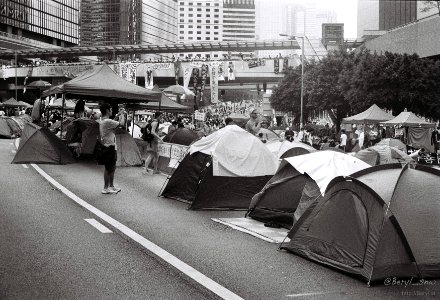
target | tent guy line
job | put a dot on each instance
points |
(189, 271)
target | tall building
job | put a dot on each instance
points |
(292, 18)
(200, 21)
(39, 24)
(238, 20)
(128, 22)
(110, 22)
(382, 15)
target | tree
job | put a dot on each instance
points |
(322, 86)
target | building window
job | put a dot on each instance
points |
(190, 32)
(181, 38)
(182, 3)
(182, 26)
(208, 21)
(216, 32)
(199, 32)
(215, 4)
(216, 10)
(199, 21)
(215, 55)
(207, 32)
(190, 21)
(215, 38)
(199, 9)
(215, 16)
(182, 15)
(190, 26)
(215, 21)
(190, 15)
(181, 32)
(199, 38)
(215, 27)
(208, 4)
(208, 27)
(208, 9)
(198, 26)
(199, 15)
(182, 9)
(199, 4)
(208, 16)
(190, 3)
(181, 20)
(208, 38)
(190, 9)
(190, 38)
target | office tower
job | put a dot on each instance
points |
(238, 20)
(200, 21)
(382, 15)
(39, 24)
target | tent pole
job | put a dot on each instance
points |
(132, 123)
(62, 117)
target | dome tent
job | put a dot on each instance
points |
(378, 223)
(222, 171)
(297, 184)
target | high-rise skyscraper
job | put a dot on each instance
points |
(238, 20)
(50, 22)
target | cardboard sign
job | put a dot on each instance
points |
(164, 150)
(199, 116)
(178, 152)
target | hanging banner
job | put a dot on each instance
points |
(159, 66)
(187, 75)
(231, 70)
(29, 74)
(164, 149)
(253, 63)
(214, 83)
(285, 64)
(276, 65)
(204, 76)
(128, 71)
(149, 78)
(221, 72)
(195, 77)
(177, 66)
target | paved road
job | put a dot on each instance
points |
(247, 266)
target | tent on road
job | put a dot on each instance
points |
(40, 146)
(383, 154)
(222, 171)
(296, 185)
(381, 222)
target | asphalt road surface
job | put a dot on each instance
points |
(157, 249)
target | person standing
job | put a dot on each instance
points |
(153, 144)
(107, 127)
(435, 139)
(343, 140)
(253, 125)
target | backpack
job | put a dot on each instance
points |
(146, 133)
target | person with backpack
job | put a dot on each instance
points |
(151, 136)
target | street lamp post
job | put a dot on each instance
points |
(291, 37)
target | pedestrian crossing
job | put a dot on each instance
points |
(255, 228)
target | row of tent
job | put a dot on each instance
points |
(11, 127)
(341, 211)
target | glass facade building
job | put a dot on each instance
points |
(53, 22)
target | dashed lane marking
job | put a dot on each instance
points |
(161, 253)
(98, 225)
(13, 151)
(25, 166)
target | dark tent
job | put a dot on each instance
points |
(40, 146)
(82, 134)
(5, 130)
(128, 151)
(222, 171)
(393, 143)
(181, 136)
(373, 115)
(103, 82)
(381, 222)
(166, 104)
(298, 182)
(280, 198)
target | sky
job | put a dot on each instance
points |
(346, 11)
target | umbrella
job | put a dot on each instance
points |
(24, 104)
(39, 84)
(11, 102)
(179, 90)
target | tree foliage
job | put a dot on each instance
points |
(345, 83)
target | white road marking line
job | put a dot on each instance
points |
(313, 294)
(11, 143)
(166, 256)
(25, 166)
(98, 225)
(13, 151)
(17, 143)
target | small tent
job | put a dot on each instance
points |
(127, 150)
(181, 136)
(5, 130)
(40, 146)
(381, 222)
(392, 143)
(298, 183)
(382, 154)
(222, 171)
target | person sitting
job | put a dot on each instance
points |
(253, 125)
(289, 135)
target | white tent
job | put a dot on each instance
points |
(323, 166)
(236, 152)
